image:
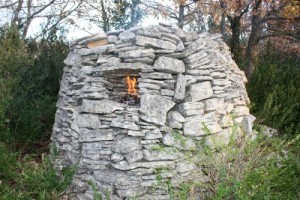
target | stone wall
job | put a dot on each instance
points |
(190, 90)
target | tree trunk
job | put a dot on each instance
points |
(251, 46)
(16, 18)
(105, 20)
(223, 19)
(134, 18)
(255, 28)
(181, 16)
(235, 25)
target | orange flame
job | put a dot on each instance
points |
(131, 85)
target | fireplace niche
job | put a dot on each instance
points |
(122, 86)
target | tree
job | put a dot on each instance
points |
(272, 19)
(23, 12)
(127, 14)
(184, 12)
(112, 14)
(234, 11)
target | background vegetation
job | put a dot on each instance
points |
(263, 36)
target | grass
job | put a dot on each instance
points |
(27, 176)
(260, 168)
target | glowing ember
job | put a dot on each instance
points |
(131, 85)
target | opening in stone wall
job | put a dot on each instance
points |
(122, 85)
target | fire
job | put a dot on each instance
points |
(131, 85)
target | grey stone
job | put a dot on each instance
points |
(185, 166)
(94, 95)
(218, 75)
(102, 147)
(201, 125)
(146, 60)
(247, 124)
(214, 104)
(132, 192)
(136, 133)
(165, 92)
(116, 157)
(96, 135)
(96, 50)
(156, 76)
(153, 42)
(125, 125)
(87, 121)
(180, 142)
(134, 156)
(180, 88)
(127, 36)
(191, 108)
(72, 59)
(123, 165)
(149, 34)
(223, 138)
(164, 24)
(108, 176)
(199, 91)
(220, 82)
(98, 36)
(91, 89)
(179, 33)
(226, 121)
(149, 142)
(143, 91)
(113, 61)
(149, 86)
(126, 145)
(112, 39)
(195, 46)
(192, 36)
(156, 107)
(175, 119)
(240, 111)
(101, 106)
(169, 65)
(117, 32)
(137, 53)
(174, 115)
(179, 46)
(199, 72)
(195, 57)
(167, 153)
(153, 134)
(126, 48)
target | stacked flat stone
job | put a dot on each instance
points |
(190, 90)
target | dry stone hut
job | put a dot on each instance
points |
(135, 101)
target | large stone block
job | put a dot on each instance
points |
(102, 106)
(153, 42)
(155, 107)
(180, 88)
(127, 145)
(201, 125)
(199, 91)
(169, 65)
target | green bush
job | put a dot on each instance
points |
(14, 60)
(274, 90)
(31, 177)
(265, 168)
(27, 108)
(250, 167)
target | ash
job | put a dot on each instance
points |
(130, 100)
